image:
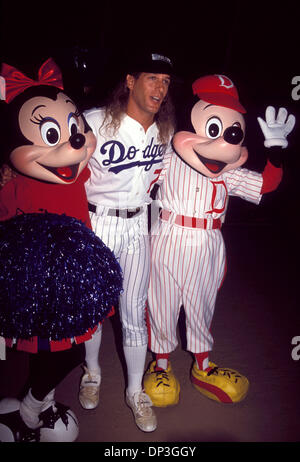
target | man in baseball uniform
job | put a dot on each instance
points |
(188, 253)
(133, 135)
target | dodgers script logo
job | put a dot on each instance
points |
(117, 155)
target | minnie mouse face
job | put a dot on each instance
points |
(57, 142)
(216, 145)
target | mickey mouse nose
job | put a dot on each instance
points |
(77, 140)
(233, 135)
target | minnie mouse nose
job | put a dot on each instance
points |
(77, 140)
(233, 135)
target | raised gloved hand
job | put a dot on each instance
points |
(275, 129)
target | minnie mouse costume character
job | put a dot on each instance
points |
(188, 252)
(58, 281)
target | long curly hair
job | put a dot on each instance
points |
(115, 109)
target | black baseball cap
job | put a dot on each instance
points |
(150, 62)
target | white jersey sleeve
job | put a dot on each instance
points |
(245, 184)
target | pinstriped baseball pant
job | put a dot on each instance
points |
(187, 268)
(129, 241)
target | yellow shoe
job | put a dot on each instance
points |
(162, 386)
(220, 384)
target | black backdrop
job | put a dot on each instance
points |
(255, 43)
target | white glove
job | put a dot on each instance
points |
(276, 130)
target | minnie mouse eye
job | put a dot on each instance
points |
(213, 128)
(73, 125)
(50, 132)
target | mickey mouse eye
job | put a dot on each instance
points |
(73, 125)
(50, 132)
(213, 128)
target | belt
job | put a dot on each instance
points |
(192, 222)
(122, 213)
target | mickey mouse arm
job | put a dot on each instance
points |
(272, 177)
(275, 130)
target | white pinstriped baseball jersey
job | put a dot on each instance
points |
(187, 192)
(188, 264)
(125, 165)
(124, 168)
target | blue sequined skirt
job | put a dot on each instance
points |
(57, 278)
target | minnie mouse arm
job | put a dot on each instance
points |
(6, 174)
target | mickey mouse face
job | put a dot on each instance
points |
(216, 145)
(60, 149)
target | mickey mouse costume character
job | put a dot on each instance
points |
(58, 281)
(188, 252)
